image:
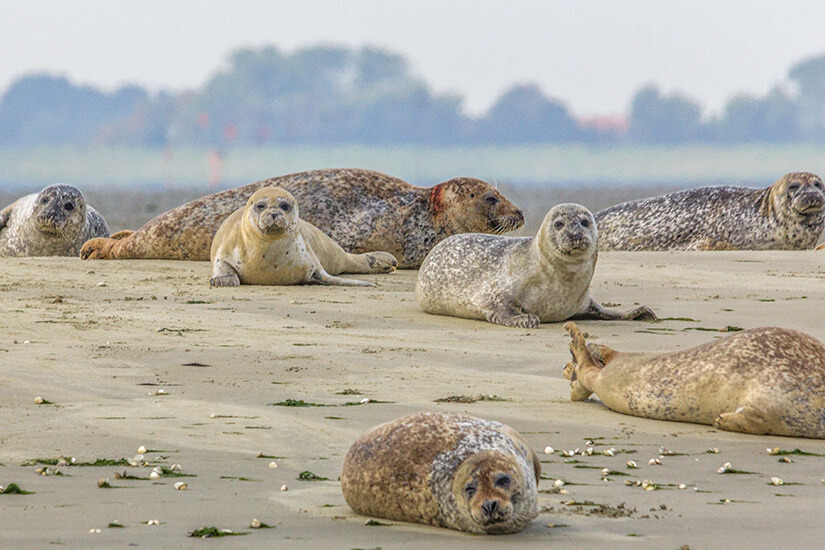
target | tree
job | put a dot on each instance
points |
(772, 119)
(809, 76)
(655, 118)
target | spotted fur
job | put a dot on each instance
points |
(54, 222)
(765, 380)
(417, 469)
(789, 215)
(362, 210)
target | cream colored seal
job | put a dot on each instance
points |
(54, 222)
(362, 210)
(788, 215)
(265, 243)
(446, 469)
(761, 381)
(518, 281)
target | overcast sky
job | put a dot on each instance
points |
(592, 54)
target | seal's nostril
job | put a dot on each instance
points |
(490, 507)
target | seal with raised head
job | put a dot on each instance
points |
(788, 215)
(54, 222)
(445, 469)
(765, 380)
(362, 210)
(519, 281)
(266, 243)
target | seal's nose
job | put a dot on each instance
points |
(490, 507)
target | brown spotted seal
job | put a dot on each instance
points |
(54, 222)
(761, 381)
(789, 215)
(445, 469)
(362, 210)
(518, 281)
(266, 243)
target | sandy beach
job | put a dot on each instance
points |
(143, 353)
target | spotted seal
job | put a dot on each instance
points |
(266, 243)
(362, 210)
(54, 222)
(760, 381)
(788, 215)
(445, 469)
(518, 281)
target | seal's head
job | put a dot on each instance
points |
(271, 213)
(469, 205)
(568, 231)
(490, 493)
(797, 196)
(60, 210)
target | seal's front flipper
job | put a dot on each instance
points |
(121, 234)
(321, 277)
(596, 312)
(745, 419)
(224, 274)
(4, 216)
(510, 315)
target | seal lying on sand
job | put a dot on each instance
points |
(265, 243)
(789, 215)
(518, 281)
(446, 469)
(54, 222)
(362, 210)
(761, 381)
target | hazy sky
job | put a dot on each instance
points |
(592, 54)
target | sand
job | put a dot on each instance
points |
(143, 353)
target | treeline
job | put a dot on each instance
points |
(328, 95)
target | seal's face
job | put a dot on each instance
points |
(570, 230)
(489, 491)
(272, 212)
(474, 206)
(802, 193)
(60, 210)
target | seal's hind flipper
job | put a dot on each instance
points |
(321, 277)
(745, 419)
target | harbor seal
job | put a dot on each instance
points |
(266, 243)
(789, 215)
(445, 469)
(760, 381)
(54, 222)
(362, 210)
(518, 281)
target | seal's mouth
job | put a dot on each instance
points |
(809, 203)
(505, 224)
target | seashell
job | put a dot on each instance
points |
(774, 451)
(365, 401)
(27, 341)
(101, 283)
(284, 487)
(175, 468)
(682, 486)
(62, 461)
(568, 453)
(102, 482)
(589, 443)
(153, 522)
(260, 454)
(549, 450)
(632, 464)
(38, 400)
(665, 451)
(605, 471)
(94, 531)
(273, 464)
(154, 475)
(726, 467)
(558, 483)
(632, 482)
(212, 415)
(563, 491)
(654, 462)
(141, 450)
(712, 450)
(256, 524)
(777, 481)
(651, 488)
(589, 451)
(610, 452)
(181, 485)
(158, 470)
(786, 459)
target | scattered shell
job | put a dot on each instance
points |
(665, 451)
(38, 400)
(589, 451)
(62, 462)
(777, 481)
(563, 491)
(141, 450)
(632, 482)
(558, 483)
(260, 454)
(154, 475)
(94, 531)
(568, 453)
(605, 471)
(181, 485)
(158, 469)
(256, 524)
(153, 522)
(549, 450)
(610, 452)
(648, 485)
(101, 283)
(712, 450)
(654, 462)
(284, 487)
(212, 415)
(774, 451)
(589, 443)
(273, 464)
(632, 464)
(786, 459)
(726, 467)
(365, 401)
(175, 468)
(682, 486)
(27, 341)
(102, 482)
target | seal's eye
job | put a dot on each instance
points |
(502, 481)
(470, 490)
(492, 200)
(818, 184)
(585, 223)
(68, 206)
(558, 225)
(260, 206)
(472, 195)
(793, 187)
(285, 206)
(44, 200)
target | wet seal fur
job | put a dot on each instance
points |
(266, 243)
(362, 210)
(789, 215)
(445, 469)
(760, 381)
(519, 281)
(54, 222)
